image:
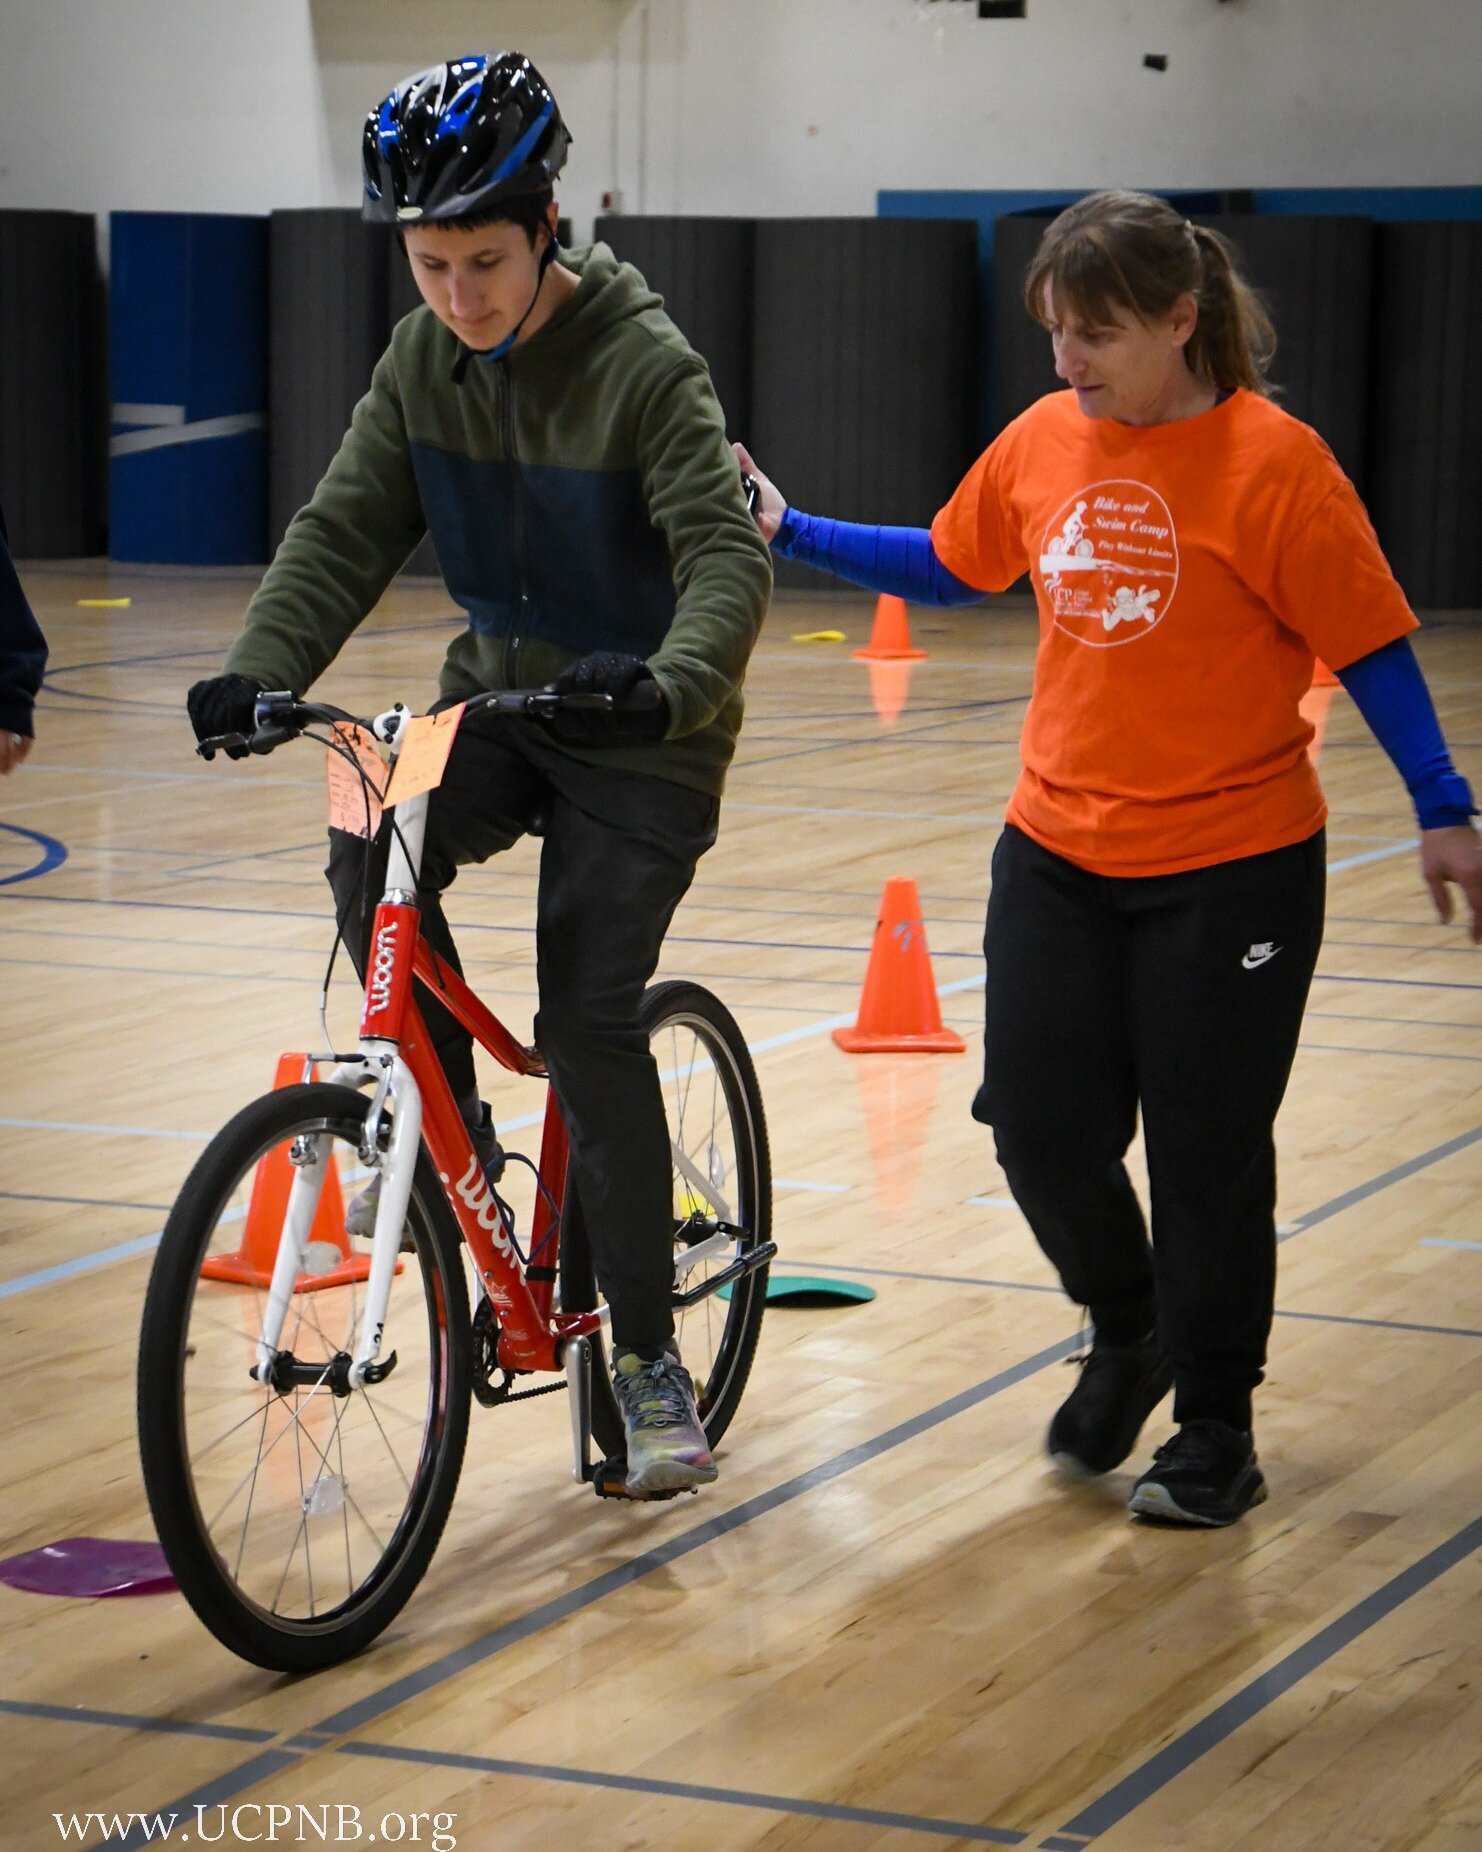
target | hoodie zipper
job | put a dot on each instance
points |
(522, 605)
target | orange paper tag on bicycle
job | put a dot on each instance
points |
(424, 754)
(355, 790)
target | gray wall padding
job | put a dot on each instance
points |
(53, 385)
(402, 296)
(704, 270)
(327, 287)
(864, 383)
(1317, 277)
(1425, 457)
(1024, 368)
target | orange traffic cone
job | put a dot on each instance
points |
(890, 640)
(898, 1011)
(1323, 676)
(252, 1264)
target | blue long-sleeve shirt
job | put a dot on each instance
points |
(22, 649)
(1386, 686)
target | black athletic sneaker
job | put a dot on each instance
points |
(1097, 1425)
(1207, 1474)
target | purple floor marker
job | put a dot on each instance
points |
(85, 1567)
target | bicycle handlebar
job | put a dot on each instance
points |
(279, 717)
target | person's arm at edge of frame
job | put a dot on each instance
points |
(23, 654)
(1389, 690)
(722, 569)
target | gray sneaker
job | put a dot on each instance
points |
(667, 1448)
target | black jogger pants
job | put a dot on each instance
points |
(1181, 995)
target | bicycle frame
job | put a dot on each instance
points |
(397, 1057)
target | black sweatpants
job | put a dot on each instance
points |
(619, 853)
(1183, 995)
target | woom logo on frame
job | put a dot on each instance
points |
(383, 964)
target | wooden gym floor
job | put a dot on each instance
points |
(888, 1625)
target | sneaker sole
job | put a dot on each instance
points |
(1070, 1466)
(671, 1476)
(1150, 1393)
(1156, 1501)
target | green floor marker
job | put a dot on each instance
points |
(795, 1289)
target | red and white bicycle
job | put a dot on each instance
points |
(303, 1408)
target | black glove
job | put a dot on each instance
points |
(625, 678)
(224, 704)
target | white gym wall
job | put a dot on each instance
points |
(746, 106)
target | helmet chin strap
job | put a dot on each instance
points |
(547, 258)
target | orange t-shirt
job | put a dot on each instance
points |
(1186, 574)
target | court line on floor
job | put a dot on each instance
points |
(370, 1709)
(378, 1704)
(1155, 1774)
(688, 1790)
(127, 1720)
(1034, 1286)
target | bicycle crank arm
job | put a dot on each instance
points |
(738, 1270)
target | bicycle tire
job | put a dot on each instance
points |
(665, 1006)
(166, 1389)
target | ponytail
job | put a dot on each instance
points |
(1234, 341)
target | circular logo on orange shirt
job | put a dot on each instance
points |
(1109, 563)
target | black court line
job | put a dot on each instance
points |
(84, 1202)
(693, 1791)
(1030, 1286)
(1109, 1809)
(378, 1704)
(476, 1652)
(1363, 1191)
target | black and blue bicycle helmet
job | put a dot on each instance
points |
(462, 139)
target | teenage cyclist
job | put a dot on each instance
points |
(1157, 898)
(549, 426)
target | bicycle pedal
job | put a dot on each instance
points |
(609, 1479)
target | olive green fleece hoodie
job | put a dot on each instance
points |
(580, 494)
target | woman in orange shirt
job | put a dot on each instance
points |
(1157, 899)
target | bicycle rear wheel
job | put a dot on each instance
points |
(722, 1168)
(299, 1520)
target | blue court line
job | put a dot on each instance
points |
(691, 1791)
(126, 1720)
(1111, 1808)
(53, 854)
(104, 1131)
(478, 1651)
(1435, 1241)
(84, 1263)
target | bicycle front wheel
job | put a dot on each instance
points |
(298, 1519)
(721, 1169)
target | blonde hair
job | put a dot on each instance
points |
(1133, 251)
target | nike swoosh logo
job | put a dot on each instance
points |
(1265, 958)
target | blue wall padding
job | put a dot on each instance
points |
(189, 325)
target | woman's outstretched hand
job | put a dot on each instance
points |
(771, 507)
(1448, 855)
